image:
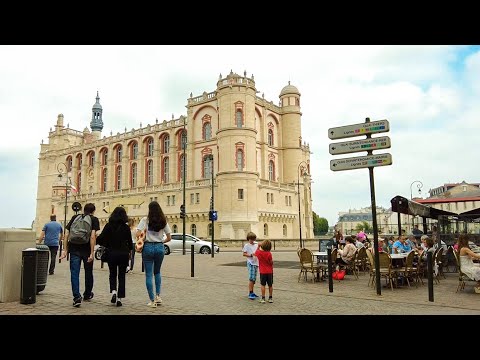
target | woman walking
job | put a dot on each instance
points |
(117, 239)
(155, 225)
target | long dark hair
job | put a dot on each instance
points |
(156, 217)
(118, 217)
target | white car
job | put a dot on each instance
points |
(200, 246)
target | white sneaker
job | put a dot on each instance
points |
(158, 300)
(128, 269)
(152, 304)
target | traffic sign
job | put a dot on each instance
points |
(365, 128)
(361, 162)
(347, 147)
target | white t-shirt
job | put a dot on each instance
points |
(250, 250)
(153, 236)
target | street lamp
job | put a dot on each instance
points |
(419, 186)
(62, 168)
(298, 190)
(184, 145)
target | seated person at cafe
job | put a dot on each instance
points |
(382, 246)
(358, 243)
(400, 246)
(411, 241)
(346, 254)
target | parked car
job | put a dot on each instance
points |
(200, 246)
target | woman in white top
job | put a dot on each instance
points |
(347, 252)
(155, 225)
(468, 267)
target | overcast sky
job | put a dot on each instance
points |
(429, 94)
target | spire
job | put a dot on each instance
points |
(97, 123)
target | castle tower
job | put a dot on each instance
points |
(97, 124)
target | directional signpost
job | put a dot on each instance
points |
(369, 161)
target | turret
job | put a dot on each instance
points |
(97, 123)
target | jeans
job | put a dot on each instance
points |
(53, 257)
(132, 258)
(152, 255)
(117, 260)
(75, 262)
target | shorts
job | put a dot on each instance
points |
(266, 279)
(252, 272)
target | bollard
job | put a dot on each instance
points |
(192, 261)
(430, 275)
(329, 259)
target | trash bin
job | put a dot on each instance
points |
(28, 287)
(42, 266)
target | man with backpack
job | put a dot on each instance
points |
(80, 243)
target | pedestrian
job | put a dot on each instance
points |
(81, 250)
(117, 239)
(252, 263)
(133, 232)
(156, 229)
(265, 266)
(52, 234)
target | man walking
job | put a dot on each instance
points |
(52, 234)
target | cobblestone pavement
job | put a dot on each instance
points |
(223, 290)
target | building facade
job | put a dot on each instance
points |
(261, 169)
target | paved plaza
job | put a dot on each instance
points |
(220, 288)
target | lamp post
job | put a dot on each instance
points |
(212, 206)
(419, 186)
(184, 145)
(62, 168)
(299, 211)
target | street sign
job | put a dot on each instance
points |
(361, 162)
(365, 128)
(347, 147)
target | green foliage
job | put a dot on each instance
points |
(320, 225)
(365, 226)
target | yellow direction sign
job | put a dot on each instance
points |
(365, 128)
(360, 162)
(347, 147)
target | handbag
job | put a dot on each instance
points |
(140, 241)
(104, 256)
(339, 274)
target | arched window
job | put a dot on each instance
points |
(118, 178)
(193, 230)
(149, 172)
(284, 230)
(133, 178)
(175, 228)
(207, 131)
(209, 229)
(165, 170)
(238, 118)
(149, 147)
(79, 161)
(239, 160)
(271, 170)
(119, 154)
(207, 166)
(134, 151)
(270, 137)
(69, 164)
(265, 230)
(166, 144)
(104, 156)
(91, 158)
(181, 163)
(104, 179)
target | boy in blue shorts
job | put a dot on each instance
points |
(252, 263)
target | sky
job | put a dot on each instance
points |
(429, 95)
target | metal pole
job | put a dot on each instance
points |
(212, 208)
(184, 145)
(192, 261)
(299, 211)
(329, 259)
(65, 217)
(430, 275)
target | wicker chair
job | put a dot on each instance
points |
(385, 268)
(352, 265)
(408, 269)
(307, 264)
(462, 278)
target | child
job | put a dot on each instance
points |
(265, 261)
(252, 263)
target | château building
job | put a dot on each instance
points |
(253, 147)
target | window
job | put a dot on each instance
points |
(286, 200)
(207, 166)
(69, 164)
(165, 170)
(79, 182)
(271, 198)
(197, 198)
(79, 160)
(168, 199)
(239, 160)
(289, 201)
(268, 198)
(118, 181)
(134, 151)
(119, 153)
(270, 137)
(284, 230)
(265, 230)
(175, 228)
(207, 131)
(464, 187)
(173, 199)
(104, 180)
(104, 157)
(240, 194)
(166, 144)
(91, 158)
(192, 198)
(149, 172)
(149, 147)
(271, 171)
(181, 162)
(209, 229)
(238, 118)
(193, 230)
(133, 179)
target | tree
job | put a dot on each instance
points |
(320, 225)
(365, 226)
